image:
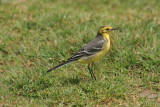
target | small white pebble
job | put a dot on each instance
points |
(50, 58)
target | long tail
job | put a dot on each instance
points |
(60, 65)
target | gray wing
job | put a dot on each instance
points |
(90, 49)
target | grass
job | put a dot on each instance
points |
(36, 35)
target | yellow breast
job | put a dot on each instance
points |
(104, 50)
(99, 55)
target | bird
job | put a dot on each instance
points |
(93, 51)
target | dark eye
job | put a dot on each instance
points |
(107, 29)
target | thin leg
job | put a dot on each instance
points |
(92, 65)
(90, 70)
(93, 75)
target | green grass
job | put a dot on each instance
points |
(36, 35)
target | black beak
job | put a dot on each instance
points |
(115, 28)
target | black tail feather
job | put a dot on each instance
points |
(62, 64)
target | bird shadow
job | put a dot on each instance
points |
(72, 80)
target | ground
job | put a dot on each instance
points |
(36, 35)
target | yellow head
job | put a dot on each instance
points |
(106, 30)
